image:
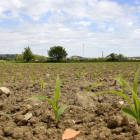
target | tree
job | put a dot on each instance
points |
(27, 54)
(114, 56)
(18, 57)
(57, 52)
(121, 57)
(40, 58)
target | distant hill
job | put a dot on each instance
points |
(5, 56)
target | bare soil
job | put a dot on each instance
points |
(98, 117)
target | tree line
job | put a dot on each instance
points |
(58, 53)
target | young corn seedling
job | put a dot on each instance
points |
(53, 76)
(34, 72)
(4, 74)
(12, 72)
(32, 78)
(111, 71)
(122, 82)
(129, 74)
(134, 110)
(101, 73)
(39, 74)
(63, 73)
(94, 75)
(23, 69)
(42, 83)
(20, 77)
(78, 74)
(84, 72)
(2, 82)
(90, 88)
(14, 79)
(57, 111)
(59, 72)
(64, 80)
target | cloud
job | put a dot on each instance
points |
(100, 25)
(137, 2)
(110, 29)
(84, 23)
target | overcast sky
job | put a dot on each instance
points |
(101, 25)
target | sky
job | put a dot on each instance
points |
(111, 26)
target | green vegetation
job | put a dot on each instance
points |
(2, 82)
(14, 79)
(90, 88)
(134, 111)
(57, 111)
(42, 83)
(122, 82)
(115, 57)
(64, 80)
(57, 53)
(32, 77)
(27, 54)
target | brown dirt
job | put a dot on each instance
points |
(96, 116)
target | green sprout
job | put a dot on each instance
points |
(14, 79)
(4, 74)
(2, 82)
(94, 75)
(64, 80)
(20, 77)
(32, 77)
(57, 111)
(53, 76)
(101, 73)
(122, 82)
(84, 72)
(129, 74)
(78, 74)
(34, 71)
(42, 83)
(23, 69)
(7, 116)
(39, 74)
(90, 88)
(63, 73)
(134, 111)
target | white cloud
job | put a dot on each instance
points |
(137, 2)
(110, 29)
(115, 27)
(84, 23)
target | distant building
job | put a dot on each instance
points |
(133, 58)
(76, 57)
(65, 57)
